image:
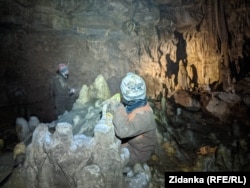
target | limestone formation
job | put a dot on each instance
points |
(186, 99)
(61, 158)
(183, 78)
(226, 106)
(33, 122)
(22, 128)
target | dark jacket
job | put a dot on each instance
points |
(139, 130)
(61, 92)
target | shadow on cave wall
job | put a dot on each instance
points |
(181, 55)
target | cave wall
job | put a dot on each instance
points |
(172, 44)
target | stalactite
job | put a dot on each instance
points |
(211, 26)
(183, 79)
(225, 75)
(247, 19)
(236, 31)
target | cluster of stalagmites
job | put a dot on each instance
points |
(74, 161)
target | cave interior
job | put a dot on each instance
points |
(193, 55)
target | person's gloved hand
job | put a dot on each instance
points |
(112, 106)
(72, 91)
(113, 103)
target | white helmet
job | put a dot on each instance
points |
(133, 87)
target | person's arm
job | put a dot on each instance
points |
(137, 122)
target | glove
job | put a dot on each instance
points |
(112, 106)
(72, 91)
(109, 115)
(112, 103)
